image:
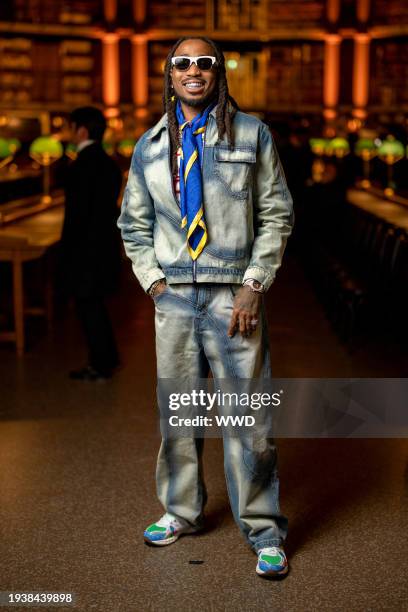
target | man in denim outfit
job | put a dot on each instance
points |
(205, 218)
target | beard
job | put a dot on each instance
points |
(198, 102)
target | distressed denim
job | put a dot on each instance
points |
(191, 323)
(247, 206)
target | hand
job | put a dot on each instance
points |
(247, 305)
(160, 288)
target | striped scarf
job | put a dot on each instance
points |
(191, 180)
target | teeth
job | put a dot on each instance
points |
(193, 85)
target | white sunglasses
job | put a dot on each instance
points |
(184, 62)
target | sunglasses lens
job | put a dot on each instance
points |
(204, 63)
(182, 63)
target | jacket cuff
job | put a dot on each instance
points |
(150, 277)
(259, 274)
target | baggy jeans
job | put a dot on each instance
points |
(191, 324)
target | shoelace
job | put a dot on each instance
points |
(272, 550)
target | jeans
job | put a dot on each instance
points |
(191, 337)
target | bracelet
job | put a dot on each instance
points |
(154, 286)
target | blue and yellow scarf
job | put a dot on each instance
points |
(191, 180)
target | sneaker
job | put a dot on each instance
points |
(272, 562)
(167, 530)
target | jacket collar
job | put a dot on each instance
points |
(162, 124)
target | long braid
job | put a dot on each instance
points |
(226, 105)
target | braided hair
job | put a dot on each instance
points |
(226, 105)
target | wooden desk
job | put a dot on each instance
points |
(395, 214)
(22, 241)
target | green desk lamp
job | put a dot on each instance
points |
(46, 150)
(367, 150)
(318, 147)
(339, 147)
(390, 151)
(6, 154)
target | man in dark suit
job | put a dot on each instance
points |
(90, 244)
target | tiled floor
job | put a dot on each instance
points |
(77, 481)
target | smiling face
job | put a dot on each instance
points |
(194, 87)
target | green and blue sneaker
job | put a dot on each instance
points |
(272, 562)
(167, 530)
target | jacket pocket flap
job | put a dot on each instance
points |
(241, 155)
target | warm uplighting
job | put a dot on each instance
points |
(141, 113)
(45, 150)
(331, 72)
(333, 10)
(110, 10)
(329, 113)
(391, 151)
(359, 113)
(361, 70)
(110, 70)
(140, 78)
(112, 113)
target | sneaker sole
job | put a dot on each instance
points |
(273, 575)
(171, 540)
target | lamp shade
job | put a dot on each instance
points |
(318, 145)
(5, 150)
(364, 144)
(391, 150)
(45, 150)
(126, 146)
(338, 146)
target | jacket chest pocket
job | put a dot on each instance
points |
(233, 169)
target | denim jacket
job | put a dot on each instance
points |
(248, 208)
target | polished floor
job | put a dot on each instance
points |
(77, 480)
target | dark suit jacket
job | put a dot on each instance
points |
(90, 243)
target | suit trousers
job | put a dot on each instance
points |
(97, 328)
